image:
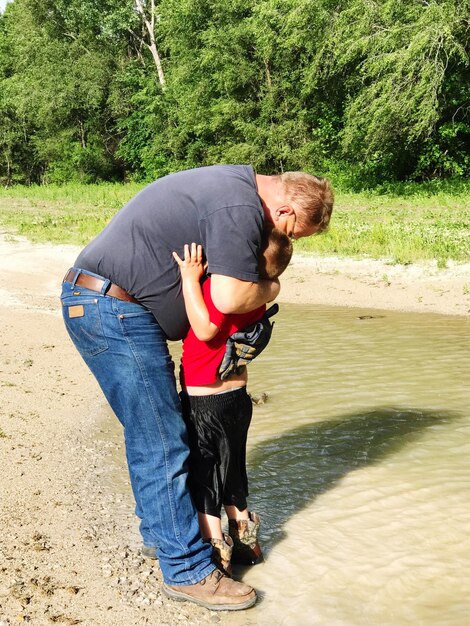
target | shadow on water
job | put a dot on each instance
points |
(289, 471)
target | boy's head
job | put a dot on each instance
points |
(275, 253)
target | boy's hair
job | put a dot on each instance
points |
(311, 197)
(275, 253)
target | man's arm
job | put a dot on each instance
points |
(231, 295)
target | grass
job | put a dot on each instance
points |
(401, 223)
(71, 214)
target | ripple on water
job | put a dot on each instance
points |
(359, 465)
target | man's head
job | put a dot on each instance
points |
(297, 203)
(275, 253)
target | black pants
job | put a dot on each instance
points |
(217, 428)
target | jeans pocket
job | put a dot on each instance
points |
(83, 322)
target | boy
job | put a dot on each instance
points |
(218, 412)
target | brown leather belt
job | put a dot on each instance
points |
(96, 284)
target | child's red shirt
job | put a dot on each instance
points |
(200, 360)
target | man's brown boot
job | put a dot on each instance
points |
(222, 553)
(216, 592)
(246, 549)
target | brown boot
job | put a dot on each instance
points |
(246, 549)
(216, 592)
(222, 553)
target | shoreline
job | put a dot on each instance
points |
(368, 283)
(332, 281)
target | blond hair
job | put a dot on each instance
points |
(311, 197)
(275, 252)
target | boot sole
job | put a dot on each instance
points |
(184, 597)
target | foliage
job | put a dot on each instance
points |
(406, 65)
(366, 91)
(72, 213)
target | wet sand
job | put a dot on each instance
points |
(69, 542)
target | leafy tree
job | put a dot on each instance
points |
(99, 89)
(399, 60)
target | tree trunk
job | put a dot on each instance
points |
(149, 22)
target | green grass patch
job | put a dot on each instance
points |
(71, 214)
(401, 223)
(409, 224)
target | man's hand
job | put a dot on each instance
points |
(192, 267)
(245, 345)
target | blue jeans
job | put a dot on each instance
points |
(126, 350)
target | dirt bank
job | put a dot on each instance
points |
(69, 543)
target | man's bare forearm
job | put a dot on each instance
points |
(231, 295)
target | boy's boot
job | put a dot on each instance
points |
(222, 554)
(246, 549)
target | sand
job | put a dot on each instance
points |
(69, 545)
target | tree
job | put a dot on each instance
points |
(96, 89)
(146, 10)
(399, 60)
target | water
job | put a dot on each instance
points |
(359, 467)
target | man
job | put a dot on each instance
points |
(122, 301)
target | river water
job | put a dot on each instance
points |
(359, 466)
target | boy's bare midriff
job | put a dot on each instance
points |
(234, 382)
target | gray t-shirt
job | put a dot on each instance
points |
(217, 206)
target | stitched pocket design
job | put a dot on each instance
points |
(83, 322)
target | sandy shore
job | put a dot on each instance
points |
(69, 541)
(373, 284)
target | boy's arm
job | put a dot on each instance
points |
(192, 270)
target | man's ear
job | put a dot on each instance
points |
(284, 209)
